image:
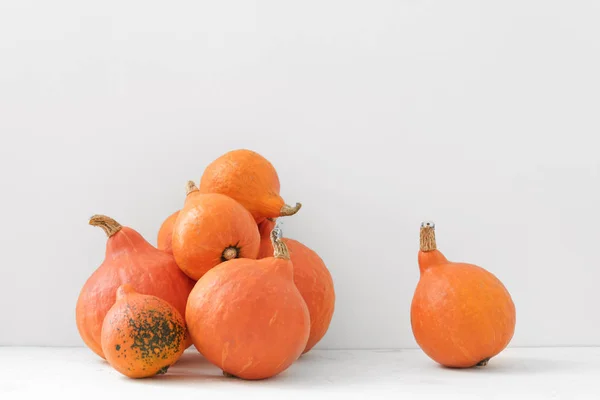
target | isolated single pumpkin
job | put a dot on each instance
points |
(142, 335)
(250, 179)
(164, 240)
(461, 314)
(247, 316)
(312, 278)
(129, 259)
(210, 229)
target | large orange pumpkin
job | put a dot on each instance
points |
(312, 278)
(129, 259)
(250, 179)
(247, 316)
(142, 335)
(212, 228)
(461, 314)
(164, 241)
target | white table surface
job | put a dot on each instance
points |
(540, 373)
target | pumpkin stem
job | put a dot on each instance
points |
(190, 187)
(427, 237)
(280, 250)
(483, 362)
(109, 225)
(230, 253)
(288, 210)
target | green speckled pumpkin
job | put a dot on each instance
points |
(142, 335)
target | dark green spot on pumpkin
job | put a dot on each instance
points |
(118, 347)
(163, 370)
(154, 332)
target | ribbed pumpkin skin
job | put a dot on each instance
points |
(129, 259)
(164, 241)
(461, 314)
(247, 177)
(248, 318)
(142, 335)
(311, 277)
(207, 225)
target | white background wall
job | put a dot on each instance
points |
(483, 116)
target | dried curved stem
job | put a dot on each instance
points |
(288, 210)
(427, 237)
(190, 187)
(280, 250)
(109, 225)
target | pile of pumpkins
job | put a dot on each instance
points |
(221, 278)
(252, 302)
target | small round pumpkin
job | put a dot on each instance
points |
(210, 229)
(312, 278)
(461, 314)
(247, 316)
(142, 335)
(250, 179)
(164, 241)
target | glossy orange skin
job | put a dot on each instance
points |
(248, 318)
(461, 314)
(164, 240)
(312, 278)
(247, 177)
(142, 335)
(130, 259)
(206, 226)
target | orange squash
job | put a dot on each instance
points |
(249, 178)
(247, 316)
(461, 314)
(142, 335)
(129, 259)
(312, 278)
(212, 228)
(164, 241)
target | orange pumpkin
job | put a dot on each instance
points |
(142, 335)
(247, 316)
(461, 314)
(212, 228)
(164, 240)
(249, 178)
(129, 259)
(312, 278)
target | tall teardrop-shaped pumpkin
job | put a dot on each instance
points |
(164, 241)
(461, 314)
(210, 229)
(129, 259)
(247, 316)
(250, 179)
(312, 278)
(142, 335)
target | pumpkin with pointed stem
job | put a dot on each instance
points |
(250, 179)
(247, 316)
(129, 259)
(461, 314)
